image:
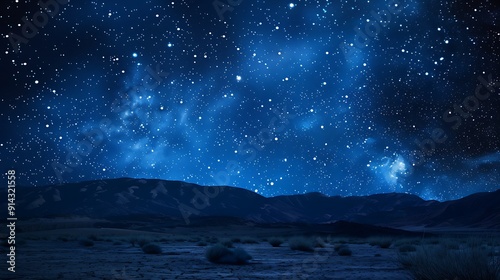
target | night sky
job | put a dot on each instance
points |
(279, 97)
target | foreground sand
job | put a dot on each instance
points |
(55, 259)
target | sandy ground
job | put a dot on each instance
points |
(55, 259)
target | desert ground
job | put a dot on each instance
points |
(106, 253)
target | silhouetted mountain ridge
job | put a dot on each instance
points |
(184, 201)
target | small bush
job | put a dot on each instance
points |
(236, 240)
(407, 248)
(338, 247)
(319, 242)
(117, 243)
(249, 240)
(222, 255)
(201, 243)
(381, 242)
(301, 244)
(344, 251)
(275, 242)
(385, 244)
(151, 248)
(87, 242)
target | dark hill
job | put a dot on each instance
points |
(179, 201)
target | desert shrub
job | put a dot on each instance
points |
(318, 242)
(201, 243)
(301, 244)
(117, 243)
(383, 243)
(236, 240)
(275, 242)
(439, 263)
(222, 255)
(407, 248)
(151, 248)
(227, 243)
(87, 242)
(378, 255)
(338, 247)
(344, 251)
(249, 240)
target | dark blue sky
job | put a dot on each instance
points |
(279, 97)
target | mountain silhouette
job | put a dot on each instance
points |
(185, 202)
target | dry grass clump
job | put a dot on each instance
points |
(151, 248)
(275, 242)
(301, 244)
(437, 262)
(220, 254)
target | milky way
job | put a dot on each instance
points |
(279, 97)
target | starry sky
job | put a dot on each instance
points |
(279, 97)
